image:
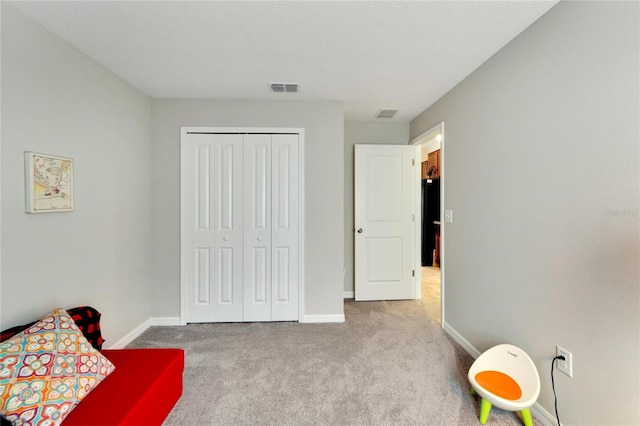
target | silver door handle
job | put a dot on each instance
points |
(359, 230)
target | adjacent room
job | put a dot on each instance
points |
(326, 210)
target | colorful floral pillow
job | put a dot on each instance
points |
(46, 370)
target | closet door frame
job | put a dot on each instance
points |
(184, 244)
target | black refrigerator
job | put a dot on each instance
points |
(430, 214)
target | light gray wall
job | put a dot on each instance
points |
(55, 100)
(362, 132)
(324, 217)
(542, 174)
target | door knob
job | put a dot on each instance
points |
(259, 238)
(225, 238)
(359, 230)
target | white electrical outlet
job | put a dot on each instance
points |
(448, 216)
(565, 365)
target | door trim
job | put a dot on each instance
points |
(421, 139)
(301, 186)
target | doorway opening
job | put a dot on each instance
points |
(429, 227)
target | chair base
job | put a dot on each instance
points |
(485, 409)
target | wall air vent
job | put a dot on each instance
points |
(386, 113)
(284, 87)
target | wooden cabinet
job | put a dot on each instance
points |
(431, 167)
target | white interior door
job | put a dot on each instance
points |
(384, 222)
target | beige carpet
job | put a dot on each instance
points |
(388, 364)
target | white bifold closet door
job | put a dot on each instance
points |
(270, 227)
(240, 227)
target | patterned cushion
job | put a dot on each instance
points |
(46, 370)
(86, 318)
(10, 332)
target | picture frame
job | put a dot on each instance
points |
(48, 183)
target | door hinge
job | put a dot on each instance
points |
(413, 272)
(413, 218)
(413, 161)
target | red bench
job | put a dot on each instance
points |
(142, 389)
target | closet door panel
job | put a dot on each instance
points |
(285, 224)
(202, 191)
(227, 212)
(282, 277)
(257, 227)
(227, 294)
(227, 182)
(202, 276)
(213, 259)
(258, 281)
(198, 230)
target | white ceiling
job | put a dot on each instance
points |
(367, 54)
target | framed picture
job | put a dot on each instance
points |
(48, 182)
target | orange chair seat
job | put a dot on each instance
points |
(499, 384)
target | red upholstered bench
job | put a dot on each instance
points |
(142, 390)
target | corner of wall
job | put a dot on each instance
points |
(131, 336)
(537, 410)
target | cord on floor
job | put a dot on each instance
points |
(553, 385)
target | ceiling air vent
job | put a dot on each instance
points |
(386, 113)
(284, 87)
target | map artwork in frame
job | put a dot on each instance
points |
(49, 183)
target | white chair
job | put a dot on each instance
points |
(506, 377)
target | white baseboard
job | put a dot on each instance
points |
(349, 295)
(136, 332)
(545, 417)
(165, 321)
(131, 336)
(471, 350)
(537, 410)
(322, 318)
